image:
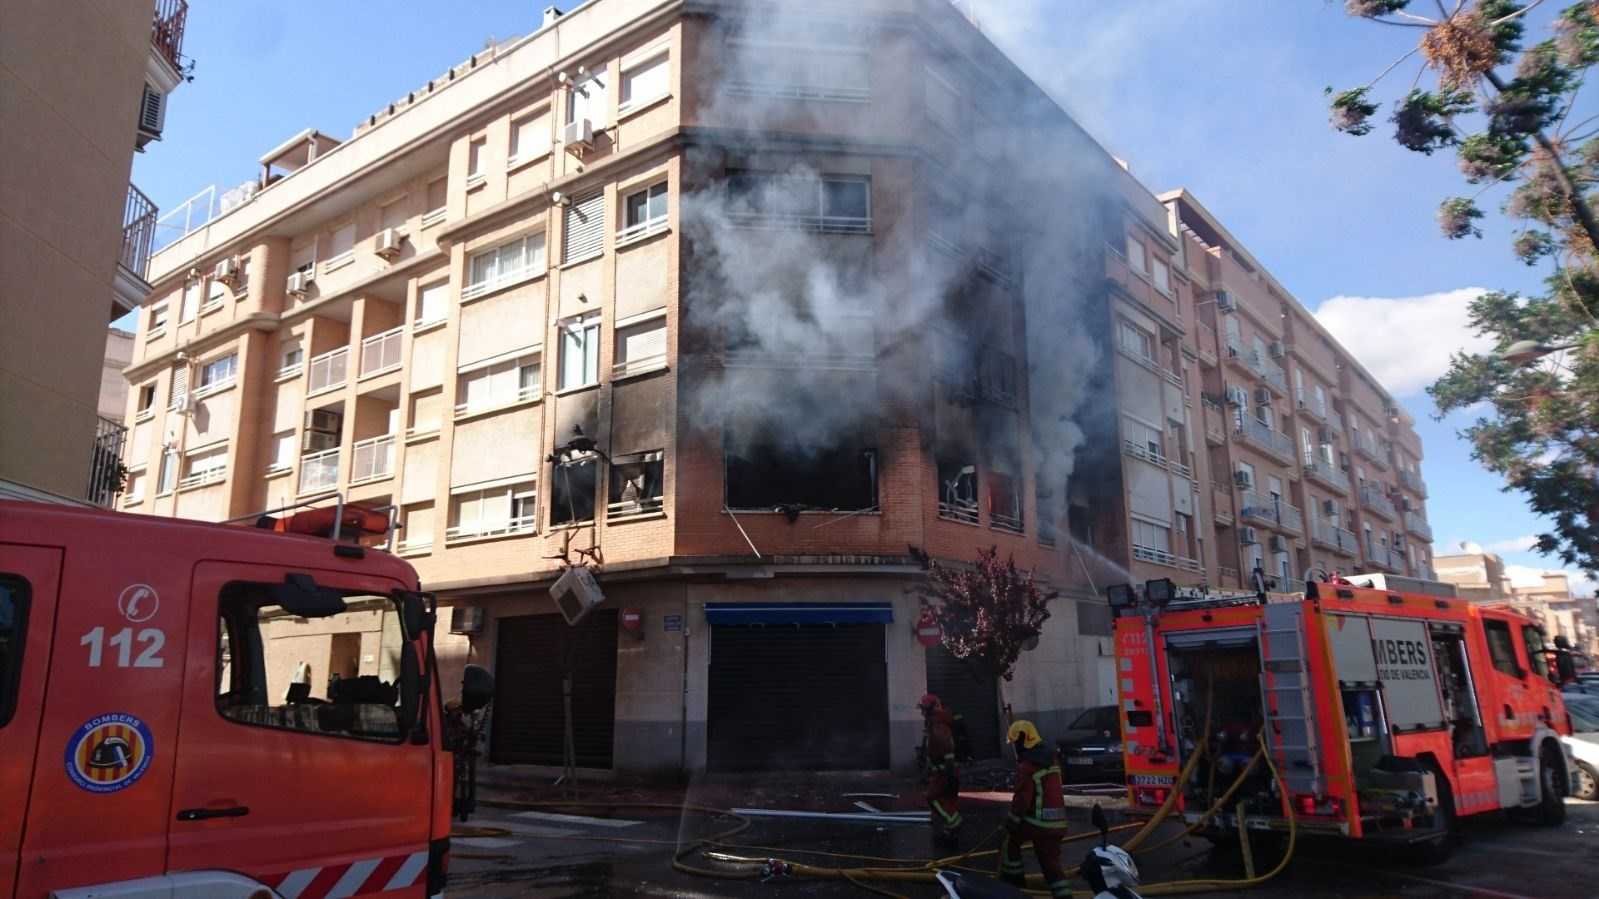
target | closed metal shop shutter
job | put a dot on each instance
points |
(969, 693)
(527, 701)
(585, 227)
(803, 697)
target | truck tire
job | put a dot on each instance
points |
(1551, 811)
(1437, 850)
(1587, 782)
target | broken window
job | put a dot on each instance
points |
(636, 483)
(572, 491)
(766, 475)
(834, 203)
(957, 491)
(1004, 502)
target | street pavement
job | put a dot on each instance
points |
(510, 849)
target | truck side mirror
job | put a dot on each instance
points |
(477, 688)
(300, 595)
(416, 610)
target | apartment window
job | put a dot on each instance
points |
(426, 409)
(943, 102)
(586, 100)
(1161, 274)
(392, 215)
(416, 527)
(493, 511)
(146, 399)
(1151, 535)
(1004, 501)
(645, 83)
(636, 483)
(474, 159)
(293, 358)
(431, 300)
(644, 211)
(580, 352)
(530, 137)
(180, 387)
(218, 373)
(1263, 414)
(191, 302)
(584, 235)
(504, 265)
(1260, 348)
(1135, 340)
(1304, 442)
(1274, 488)
(572, 491)
(1299, 385)
(168, 475)
(135, 490)
(216, 292)
(832, 203)
(640, 345)
(282, 451)
(341, 245)
(437, 199)
(1135, 255)
(812, 68)
(1284, 572)
(304, 259)
(1321, 401)
(158, 320)
(205, 466)
(1150, 438)
(496, 384)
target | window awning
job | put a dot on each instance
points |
(799, 613)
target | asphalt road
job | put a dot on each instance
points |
(628, 852)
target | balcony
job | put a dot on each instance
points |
(1341, 540)
(1377, 501)
(1366, 447)
(958, 511)
(1221, 505)
(319, 471)
(1309, 407)
(1270, 510)
(1397, 562)
(166, 30)
(1215, 423)
(1264, 438)
(138, 238)
(1374, 555)
(107, 475)
(371, 459)
(1162, 557)
(1416, 523)
(1324, 472)
(213, 475)
(1413, 482)
(1153, 365)
(522, 524)
(1206, 339)
(328, 370)
(1139, 451)
(1270, 371)
(381, 352)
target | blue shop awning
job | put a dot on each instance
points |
(799, 613)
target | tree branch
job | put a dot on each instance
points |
(1393, 65)
(1579, 206)
(1522, 11)
(1429, 22)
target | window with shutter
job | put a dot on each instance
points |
(152, 112)
(644, 83)
(585, 228)
(580, 352)
(180, 387)
(640, 346)
(530, 137)
(191, 302)
(430, 303)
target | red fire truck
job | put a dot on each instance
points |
(162, 735)
(1387, 714)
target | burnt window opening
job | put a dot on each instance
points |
(636, 484)
(996, 374)
(1079, 522)
(1004, 502)
(765, 476)
(572, 491)
(957, 491)
(1047, 512)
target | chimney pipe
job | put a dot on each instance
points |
(550, 15)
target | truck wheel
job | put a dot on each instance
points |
(1551, 811)
(1438, 849)
(1587, 782)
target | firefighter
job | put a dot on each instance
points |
(943, 778)
(1037, 812)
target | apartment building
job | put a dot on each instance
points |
(75, 233)
(1481, 577)
(719, 299)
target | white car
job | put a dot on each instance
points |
(1584, 744)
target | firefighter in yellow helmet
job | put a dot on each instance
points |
(1037, 812)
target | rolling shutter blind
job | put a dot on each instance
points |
(585, 227)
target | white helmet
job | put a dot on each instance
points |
(1117, 867)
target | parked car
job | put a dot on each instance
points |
(1091, 748)
(1584, 743)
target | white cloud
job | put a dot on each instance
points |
(1513, 545)
(1405, 342)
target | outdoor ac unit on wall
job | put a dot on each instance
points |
(1247, 536)
(1224, 301)
(466, 620)
(387, 243)
(576, 594)
(227, 271)
(1279, 543)
(578, 136)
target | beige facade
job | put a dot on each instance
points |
(760, 289)
(113, 402)
(1481, 577)
(74, 233)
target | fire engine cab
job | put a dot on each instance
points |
(161, 733)
(1387, 713)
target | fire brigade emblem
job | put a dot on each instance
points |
(109, 753)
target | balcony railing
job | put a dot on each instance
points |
(1367, 448)
(1139, 451)
(138, 231)
(1397, 561)
(166, 30)
(1162, 557)
(329, 370)
(381, 352)
(319, 471)
(107, 475)
(1271, 510)
(1265, 438)
(964, 512)
(1374, 499)
(1269, 370)
(1002, 522)
(520, 525)
(1221, 504)
(1413, 481)
(1416, 523)
(1215, 423)
(1327, 534)
(212, 475)
(372, 459)
(1319, 469)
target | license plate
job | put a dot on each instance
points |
(1079, 760)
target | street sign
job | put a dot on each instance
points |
(928, 633)
(672, 622)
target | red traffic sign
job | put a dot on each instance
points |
(928, 633)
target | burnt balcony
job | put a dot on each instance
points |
(1324, 472)
(1340, 540)
(1373, 498)
(1271, 511)
(1264, 438)
(1416, 523)
(1413, 481)
(166, 31)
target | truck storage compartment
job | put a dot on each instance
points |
(1220, 671)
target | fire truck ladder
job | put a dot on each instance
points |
(1286, 705)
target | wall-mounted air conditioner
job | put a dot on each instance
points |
(578, 136)
(1276, 349)
(1248, 537)
(1242, 479)
(466, 620)
(386, 243)
(227, 271)
(1262, 396)
(1224, 301)
(300, 282)
(1279, 543)
(1324, 434)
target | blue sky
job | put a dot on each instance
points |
(1224, 99)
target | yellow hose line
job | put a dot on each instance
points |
(1182, 776)
(1216, 806)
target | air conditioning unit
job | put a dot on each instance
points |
(1262, 396)
(1242, 479)
(1236, 396)
(324, 420)
(1276, 349)
(227, 271)
(1224, 301)
(152, 116)
(386, 243)
(300, 282)
(1248, 537)
(1328, 507)
(1279, 543)
(466, 620)
(576, 593)
(1343, 461)
(578, 136)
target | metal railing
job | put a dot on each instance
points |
(1162, 557)
(1271, 510)
(372, 458)
(1319, 469)
(1377, 501)
(329, 370)
(138, 231)
(1397, 560)
(107, 474)
(1366, 446)
(319, 471)
(381, 352)
(1416, 523)
(166, 29)
(1002, 522)
(520, 525)
(1139, 451)
(963, 512)
(1328, 534)
(210, 475)
(1413, 481)
(1272, 442)
(1271, 371)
